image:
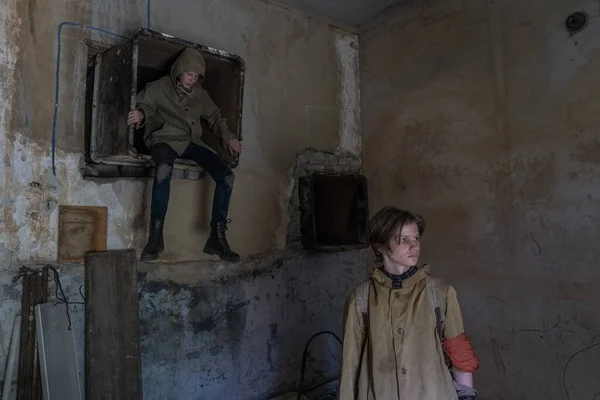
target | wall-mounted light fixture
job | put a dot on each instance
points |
(576, 22)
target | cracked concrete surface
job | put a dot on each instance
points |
(291, 67)
(482, 117)
(209, 329)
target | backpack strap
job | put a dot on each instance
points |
(436, 292)
(361, 294)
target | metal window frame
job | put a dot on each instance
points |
(131, 157)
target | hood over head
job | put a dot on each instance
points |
(190, 60)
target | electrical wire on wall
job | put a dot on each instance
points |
(569, 361)
(59, 292)
(57, 83)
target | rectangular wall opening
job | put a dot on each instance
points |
(223, 79)
(335, 211)
(115, 76)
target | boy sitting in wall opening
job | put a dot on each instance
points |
(177, 102)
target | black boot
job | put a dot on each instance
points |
(217, 243)
(155, 244)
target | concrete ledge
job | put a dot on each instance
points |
(191, 273)
(194, 272)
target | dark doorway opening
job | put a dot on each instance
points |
(335, 211)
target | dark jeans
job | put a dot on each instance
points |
(164, 157)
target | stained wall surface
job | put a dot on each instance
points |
(298, 72)
(209, 334)
(483, 117)
(208, 329)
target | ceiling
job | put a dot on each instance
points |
(358, 15)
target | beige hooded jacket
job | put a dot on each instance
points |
(178, 116)
(400, 357)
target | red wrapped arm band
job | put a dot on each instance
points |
(461, 353)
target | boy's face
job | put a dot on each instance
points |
(188, 79)
(406, 247)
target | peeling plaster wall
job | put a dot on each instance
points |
(301, 91)
(213, 331)
(483, 116)
(209, 329)
(346, 51)
(243, 336)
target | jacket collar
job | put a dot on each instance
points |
(384, 280)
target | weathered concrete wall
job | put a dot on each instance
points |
(300, 81)
(483, 116)
(209, 329)
(212, 333)
(243, 336)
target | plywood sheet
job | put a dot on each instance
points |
(112, 362)
(81, 229)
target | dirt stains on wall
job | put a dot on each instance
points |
(485, 123)
(291, 103)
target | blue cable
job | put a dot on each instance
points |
(56, 95)
(148, 16)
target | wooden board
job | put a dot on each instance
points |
(112, 349)
(29, 382)
(81, 229)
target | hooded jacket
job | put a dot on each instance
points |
(399, 356)
(172, 117)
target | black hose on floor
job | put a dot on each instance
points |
(304, 359)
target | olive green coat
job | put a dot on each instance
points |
(174, 118)
(402, 358)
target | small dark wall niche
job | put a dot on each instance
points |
(334, 212)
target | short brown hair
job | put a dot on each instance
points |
(386, 224)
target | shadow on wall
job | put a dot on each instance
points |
(243, 337)
(237, 337)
